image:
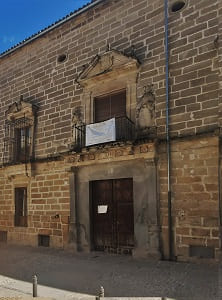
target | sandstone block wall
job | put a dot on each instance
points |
(195, 109)
(34, 71)
(194, 195)
(48, 204)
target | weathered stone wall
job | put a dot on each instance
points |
(34, 71)
(195, 71)
(48, 203)
(194, 68)
(195, 208)
(51, 196)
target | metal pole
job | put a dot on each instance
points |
(34, 281)
(219, 190)
(101, 292)
(170, 231)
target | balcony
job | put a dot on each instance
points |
(124, 131)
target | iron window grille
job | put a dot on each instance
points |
(18, 141)
(21, 207)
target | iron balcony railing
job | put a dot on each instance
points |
(125, 131)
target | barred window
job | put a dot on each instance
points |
(19, 132)
(23, 143)
(21, 207)
(18, 141)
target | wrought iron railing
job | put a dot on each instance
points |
(79, 137)
(125, 131)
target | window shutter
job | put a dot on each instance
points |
(118, 104)
(110, 106)
(102, 109)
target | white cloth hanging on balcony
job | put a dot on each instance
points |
(102, 132)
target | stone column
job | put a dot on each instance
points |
(146, 212)
(153, 210)
(73, 198)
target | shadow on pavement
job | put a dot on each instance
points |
(121, 276)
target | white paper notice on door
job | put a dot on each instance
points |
(102, 209)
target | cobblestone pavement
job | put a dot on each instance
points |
(62, 275)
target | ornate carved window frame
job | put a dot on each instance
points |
(106, 74)
(20, 115)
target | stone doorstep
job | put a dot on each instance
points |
(135, 298)
(105, 298)
(24, 298)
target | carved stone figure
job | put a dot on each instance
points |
(77, 116)
(77, 120)
(146, 108)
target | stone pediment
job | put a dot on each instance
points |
(111, 62)
(20, 109)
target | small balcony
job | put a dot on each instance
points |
(122, 129)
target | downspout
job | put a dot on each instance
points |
(26, 167)
(170, 229)
(219, 193)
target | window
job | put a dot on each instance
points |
(106, 107)
(43, 240)
(21, 206)
(109, 82)
(3, 236)
(22, 144)
(18, 141)
(19, 132)
(110, 106)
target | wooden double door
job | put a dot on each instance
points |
(112, 215)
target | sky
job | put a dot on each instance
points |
(20, 19)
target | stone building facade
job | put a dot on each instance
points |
(140, 192)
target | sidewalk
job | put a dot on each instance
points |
(22, 290)
(63, 275)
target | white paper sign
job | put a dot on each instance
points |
(102, 209)
(102, 132)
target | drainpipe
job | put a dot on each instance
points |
(170, 229)
(219, 192)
